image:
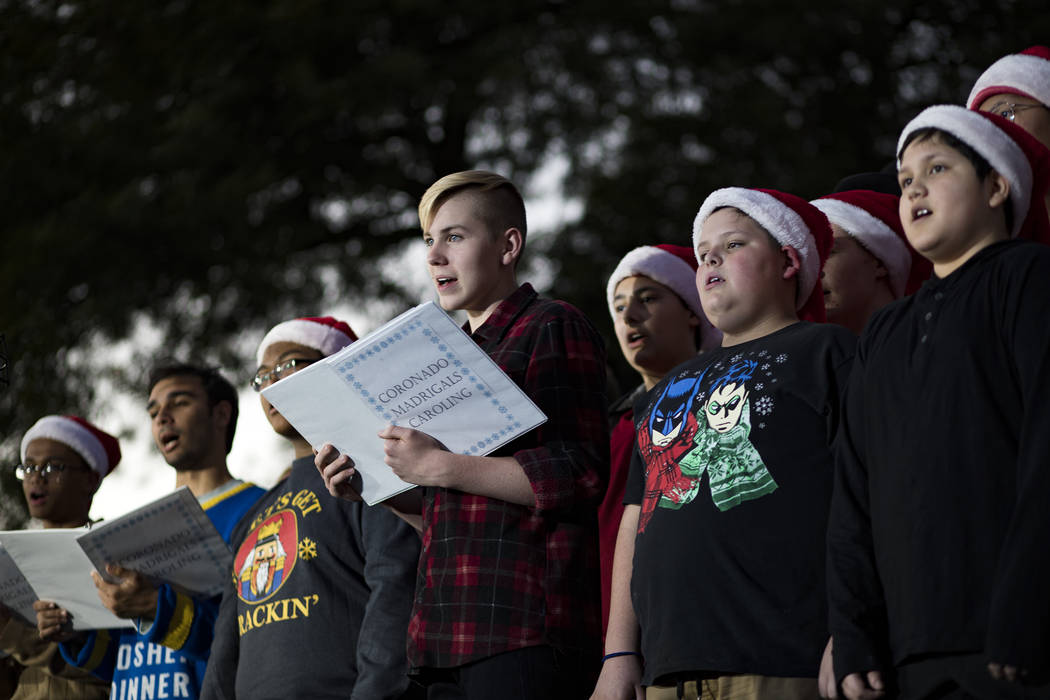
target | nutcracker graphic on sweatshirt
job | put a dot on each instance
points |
(263, 560)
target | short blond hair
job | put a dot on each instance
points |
(501, 206)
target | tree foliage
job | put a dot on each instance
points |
(214, 167)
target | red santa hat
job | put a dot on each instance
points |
(673, 266)
(1026, 73)
(324, 334)
(99, 449)
(1010, 150)
(873, 220)
(791, 221)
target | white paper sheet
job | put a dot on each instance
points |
(170, 540)
(419, 371)
(58, 570)
(15, 591)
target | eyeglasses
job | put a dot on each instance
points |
(1009, 110)
(280, 370)
(45, 470)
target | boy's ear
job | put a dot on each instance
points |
(792, 262)
(223, 412)
(998, 189)
(880, 269)
(513, 243)
(94, 481)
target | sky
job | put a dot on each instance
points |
(258, 454)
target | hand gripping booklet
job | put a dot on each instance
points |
(419, 371)
(170, 540)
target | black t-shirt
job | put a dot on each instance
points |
(733, 472)
(939, 538)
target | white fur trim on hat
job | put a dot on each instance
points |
(874, 235)
(325, 339)
(1016, 74)
(672, 272)
(71, 433)
(979, 133)
(661, 266)
(778, 219)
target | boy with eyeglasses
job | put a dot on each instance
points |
(64, 459)
(939, 530)
(321, 588)
(1017, 87)
(193, 416)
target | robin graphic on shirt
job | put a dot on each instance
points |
(735, 470)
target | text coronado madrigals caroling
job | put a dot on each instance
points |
(412, 392)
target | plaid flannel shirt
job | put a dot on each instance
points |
(496, 576)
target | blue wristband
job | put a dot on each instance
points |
(619, 653)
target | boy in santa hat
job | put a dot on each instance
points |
(64, 459)
(871, 262)
(1017, 87)
(939, 530)
(355, 566)
(659, 324)
(729, 486)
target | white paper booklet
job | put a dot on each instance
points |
(419, 371)
(15, 591)
(170, 540)
(58, 570)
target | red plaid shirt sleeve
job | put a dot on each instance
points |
(566, 379)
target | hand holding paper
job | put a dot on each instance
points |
(132, 596)
(170, 540)
(337, 471)
(52, 621)
(420, 459)
(416, 457)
